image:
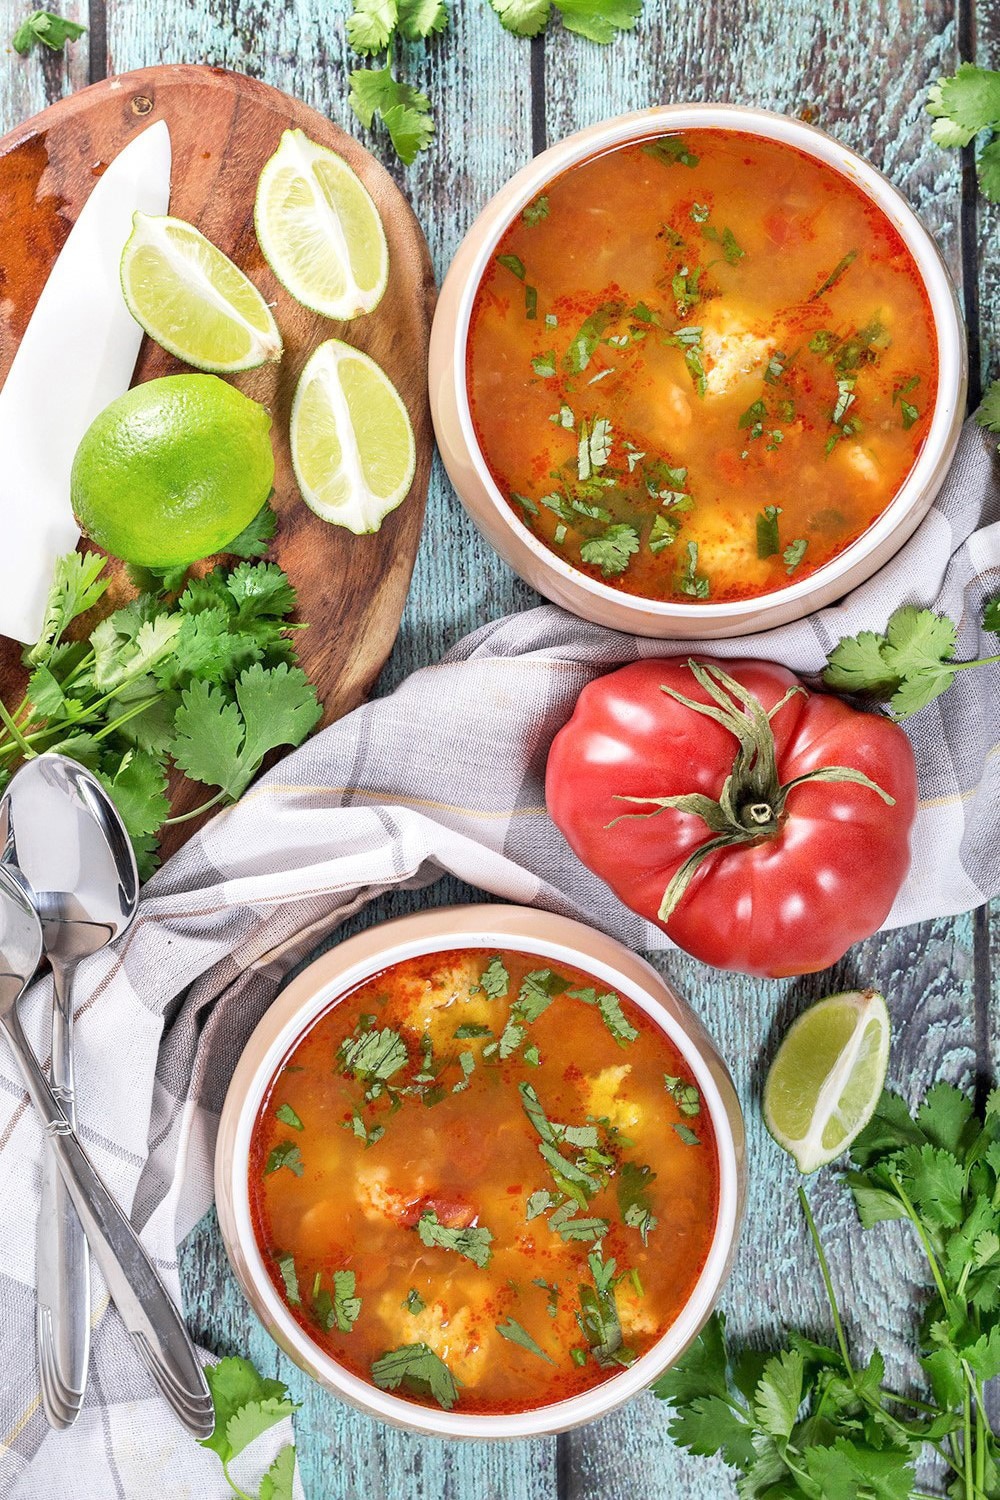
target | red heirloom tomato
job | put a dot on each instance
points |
(763, 826)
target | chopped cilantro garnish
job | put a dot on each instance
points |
(552, 1288)
(358, 1127)
(545, 364)
(469, 1029)
(414, 1303)
(611, 1013)
(512, 263)
(289, 1275)
(494, 980)
(670, 150)
(285, 1154)
(373, 1054)
(686, 1094)
(473, 1242)
(687, 1135)
(633, 1186)
(515, 1334)
(584, 343)
(568, 1225)
(467, 1063)
(663, 533)
(767, 531)
(598, 1318)
(794, 553)
(339, 1309)
(539, 1202)
(286, 1114)
(417, 1364)
(727, 242)
(691, 581)
(838, 271)
(611, 551)
(535, 212)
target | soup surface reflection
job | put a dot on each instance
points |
(701, 366)
(484, 1182)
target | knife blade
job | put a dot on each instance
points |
(77, 354)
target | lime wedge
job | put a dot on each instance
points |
(827, 1076)
(192, 300)
(320, 230)
(352, 443)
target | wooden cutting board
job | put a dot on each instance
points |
(223, 127)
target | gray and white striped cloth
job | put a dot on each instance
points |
(446, 774)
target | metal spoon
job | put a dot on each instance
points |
(145, 1304)
(64, 834)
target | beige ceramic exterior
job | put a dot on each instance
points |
(552, 575)
(561, 941)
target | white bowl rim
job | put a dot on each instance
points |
(574, 1410)
(749, 120)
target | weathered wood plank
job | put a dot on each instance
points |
(986, 216)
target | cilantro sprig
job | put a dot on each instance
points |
(809, 1419)
(199, 674)
(909, 664)
(246, 1406)
(964, 105)
(44, 29)
(376, 27)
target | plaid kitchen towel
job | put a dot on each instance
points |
(446, 774)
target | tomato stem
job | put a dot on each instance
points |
(751, 805)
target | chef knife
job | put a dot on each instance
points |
(77, 354)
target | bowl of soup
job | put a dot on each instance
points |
(480, 1172)
(697, 371)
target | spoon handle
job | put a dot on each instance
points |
(62, 1262)
(145, 1304)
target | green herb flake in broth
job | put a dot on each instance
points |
(611, 1013)
(794, 553)
(671, 150)
(598, 1317)
(835, 275)
(775, 367)
(289, 1275)
(526, 503)
(513, 1332)
(467, 1062)
(417, 1364)
(494, 980)
(545, 364)
(530, 301)
(357, 1126)
(632, 1186)
(727, 242)
(512, 263)
(663, 534)
(611, 551)
(286, 1114)
(691, 581)
(578, 1356)
(285, 1154)
(468, 1030)
(686, 1095)
(373, 1054)
(539, 1202)
(570, 1226)
(414, 1303)
(473, 1242)
(340, 1309)
(534, 213)
(767, 531)
(532, 1056)
(584, 343)
(687, 1135)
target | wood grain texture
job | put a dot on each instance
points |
(223, 128)
(860, 68)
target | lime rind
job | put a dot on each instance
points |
(193, 300)
(827, 1077)
(320, 230)
(353, 450)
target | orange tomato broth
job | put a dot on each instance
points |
(755, 333)
(458, 1146)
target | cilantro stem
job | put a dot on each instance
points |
(959, 666)
(15, 733)
(827, 1282)
(233, 1485)
(196, 812)
(917, 1223)
(967, 1433)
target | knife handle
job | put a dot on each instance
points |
(62, 1274)
(136, 1288)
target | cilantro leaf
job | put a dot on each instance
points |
(371, 24)
(857, 666)
(50, 30)
(599, 20)
(419, 19)
(701, 1369)
(417, 1364)
(523, 17)
(779, 1393)
(988, 414)
(515, 1334)
(917, 638)
(969, 99)
(76, 587)
(611, 551)
(991, 615)
(236, 1388)
(341, 1309)
(286, 1114)
(403, 110)
(846, 1470)
(374, 1054)
(633, 1186)
(494, 980)
(279, 1481)
(285, 1154)
(138, 789)
(222, 743)
(254, 539)
(611, 1012)
(709, 1425)
(473, 1242)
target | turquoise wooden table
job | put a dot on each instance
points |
(859, 68)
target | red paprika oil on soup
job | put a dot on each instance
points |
(699, 366)
(484, 1181)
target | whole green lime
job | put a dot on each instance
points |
(173, 470)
